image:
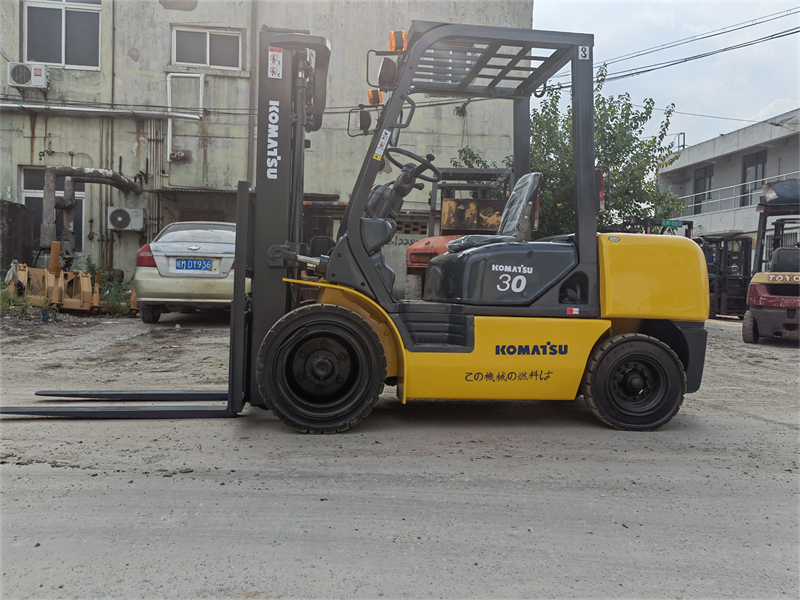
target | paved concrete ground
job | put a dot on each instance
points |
(431, 499)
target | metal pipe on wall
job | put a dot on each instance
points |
(93, 112)
(48, 229)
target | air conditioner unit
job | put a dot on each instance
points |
(28, 75)
(126, 219)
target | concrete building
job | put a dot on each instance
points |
(164, 93)
(720, 180)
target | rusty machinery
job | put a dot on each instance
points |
(65, 290)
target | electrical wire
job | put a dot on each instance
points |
(340, 110)
(695, 38)
(677, 112)
(658, 66)
(671, 63)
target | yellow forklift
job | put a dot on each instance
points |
(617, 318)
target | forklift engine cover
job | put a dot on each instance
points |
(509, 273)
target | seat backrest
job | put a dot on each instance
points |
(785, 260)
(517, 213)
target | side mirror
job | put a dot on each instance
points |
(535, 219)
(364, 121)
(387, 74)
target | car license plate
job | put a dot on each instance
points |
(193, 264)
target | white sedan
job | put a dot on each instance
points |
(189, 265)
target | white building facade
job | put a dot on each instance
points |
(720, 180)
(164, 92)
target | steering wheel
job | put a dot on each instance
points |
(425, 164)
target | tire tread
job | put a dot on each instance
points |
(749, 329)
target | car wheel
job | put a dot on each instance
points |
(321, 369)
(413, 286)
(634, 382)
(149, 314)
(749, 328)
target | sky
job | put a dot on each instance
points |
(752, 84)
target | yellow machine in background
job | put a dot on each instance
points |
(64, 290)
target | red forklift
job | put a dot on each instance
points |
(773, 297)
(468, 201)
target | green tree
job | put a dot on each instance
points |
(633, 160)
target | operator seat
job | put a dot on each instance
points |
(515, 223)
(785, 260)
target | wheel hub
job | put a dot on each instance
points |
(320, 368)
(634, 386)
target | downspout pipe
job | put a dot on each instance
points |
(202, 80)
(106, 176)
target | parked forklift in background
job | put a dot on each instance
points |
(728, 259)
(773, 297)
(617, 318)
(469, 201)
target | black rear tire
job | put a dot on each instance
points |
(634, 382)
(321, 369)
(749, 329)
(149, 314)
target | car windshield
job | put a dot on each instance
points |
(224, 233)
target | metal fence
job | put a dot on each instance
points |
(729, 198)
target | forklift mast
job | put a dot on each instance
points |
(292, 80)
(780, 199)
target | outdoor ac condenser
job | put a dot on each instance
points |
(126, 219)
(28, 75)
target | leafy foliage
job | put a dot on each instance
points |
(115, 295)
(11, 304)
(633, 161)
(469, 159)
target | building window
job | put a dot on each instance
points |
(63, 32)
(33, 198)
(702, 187)
(208, 48)
(753, 176)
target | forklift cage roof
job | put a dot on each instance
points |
(478, 65)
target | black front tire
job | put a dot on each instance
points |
(634, 382)
(149, 314)
(750, 329)
(321, 369)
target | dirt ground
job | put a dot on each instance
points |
(432, 499)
